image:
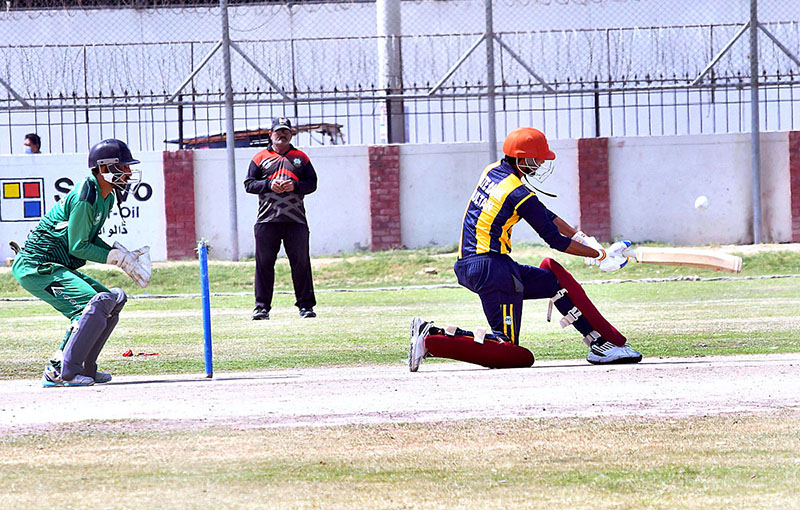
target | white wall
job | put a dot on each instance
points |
(776, 199)
(146, 223)
(338, 212)
(436, 181)
(654, 182)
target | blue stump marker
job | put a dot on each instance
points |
(202, 250)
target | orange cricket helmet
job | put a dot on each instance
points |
(527, 142)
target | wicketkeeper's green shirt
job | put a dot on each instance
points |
(68, 233)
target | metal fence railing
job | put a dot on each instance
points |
(152, 73)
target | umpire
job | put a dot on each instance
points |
(281, 175)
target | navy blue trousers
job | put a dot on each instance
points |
(503, 284)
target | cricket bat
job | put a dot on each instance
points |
(705, 259)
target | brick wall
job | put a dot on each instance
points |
(593, 188)
(179, 204)
(384, 202)
(794, 182)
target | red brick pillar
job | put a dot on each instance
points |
(593, 188)
(179, 204)
(384, 197)
(794, 182)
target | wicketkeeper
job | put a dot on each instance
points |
(64, 239)
(499, 201)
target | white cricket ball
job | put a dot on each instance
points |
(701, 203)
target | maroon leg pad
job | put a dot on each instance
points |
(490, 354)
(583, 303)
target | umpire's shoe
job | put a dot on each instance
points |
(260, 314)
(307, 313)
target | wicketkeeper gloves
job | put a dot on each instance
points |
(136, 264)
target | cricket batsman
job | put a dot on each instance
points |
(64, 239)
(484, 266)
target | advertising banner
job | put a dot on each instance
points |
(30, 184)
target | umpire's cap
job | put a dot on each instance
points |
(281, 123)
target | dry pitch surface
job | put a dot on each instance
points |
(365, 395)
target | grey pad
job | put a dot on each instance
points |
(90, 364)
(90, 329)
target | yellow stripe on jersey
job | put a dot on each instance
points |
(505, 236)
(509, 329)
(497, 198)
(505, 324)
(512, 328)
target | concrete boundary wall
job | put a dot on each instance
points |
(638, 188)
(654, 182)
(338, 212)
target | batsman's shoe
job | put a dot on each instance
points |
(102, 377)
(603, 352)
(417, 349)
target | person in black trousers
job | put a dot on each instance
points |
(281, 175)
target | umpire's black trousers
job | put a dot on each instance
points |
(295, 242)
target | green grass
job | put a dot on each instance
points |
(712, 462)
(737, 461)
(669, 318)
(390, 269)
(674, 318)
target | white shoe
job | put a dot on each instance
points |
(51, 377)
(417, 349)
(604, 352)
(102, 377)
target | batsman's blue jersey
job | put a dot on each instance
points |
(499, 201)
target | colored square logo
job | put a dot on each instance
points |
(21, 199)
(32, 209)
(32, 189)
(11, 190)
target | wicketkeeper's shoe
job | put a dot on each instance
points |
(79, 380)
(51, 377)
(102, 377)
(603, 352)
(417, 350)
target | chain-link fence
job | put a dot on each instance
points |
(353, 71)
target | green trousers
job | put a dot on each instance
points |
(66, 290)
